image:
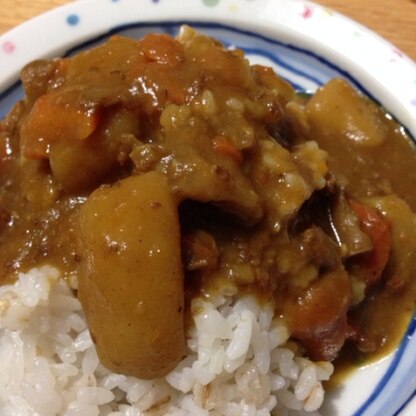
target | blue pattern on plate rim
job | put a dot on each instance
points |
(306, 71)
(73, 19)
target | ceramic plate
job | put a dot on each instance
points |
(306, 44)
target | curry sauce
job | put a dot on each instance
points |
(159, 170)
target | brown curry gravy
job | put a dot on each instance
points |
(38, 214)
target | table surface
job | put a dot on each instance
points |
(395, 20)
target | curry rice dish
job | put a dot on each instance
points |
(182, 233)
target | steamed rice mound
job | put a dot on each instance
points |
(240, 361)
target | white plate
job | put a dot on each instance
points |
(305, 43)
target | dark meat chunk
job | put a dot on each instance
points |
(318, 318)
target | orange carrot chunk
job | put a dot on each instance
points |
(162, 49)
(51, 120)
(224, 147)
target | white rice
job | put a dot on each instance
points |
(240, 361)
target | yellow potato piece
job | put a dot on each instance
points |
(131, 278)
(338, 111)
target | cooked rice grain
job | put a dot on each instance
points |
(240, 361)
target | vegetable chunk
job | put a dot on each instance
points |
(342, 111)
(131, 279)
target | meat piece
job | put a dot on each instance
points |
(36, 77)
(200, 251)
(346, 226)
(318, 294)
(318, 248)
(318, 318)
(130, 279)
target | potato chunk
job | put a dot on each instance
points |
(340, 112)
(131, 278)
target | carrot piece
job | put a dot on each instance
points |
(378, 229)
(162, 49)
(224, 147)
(50, 120)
